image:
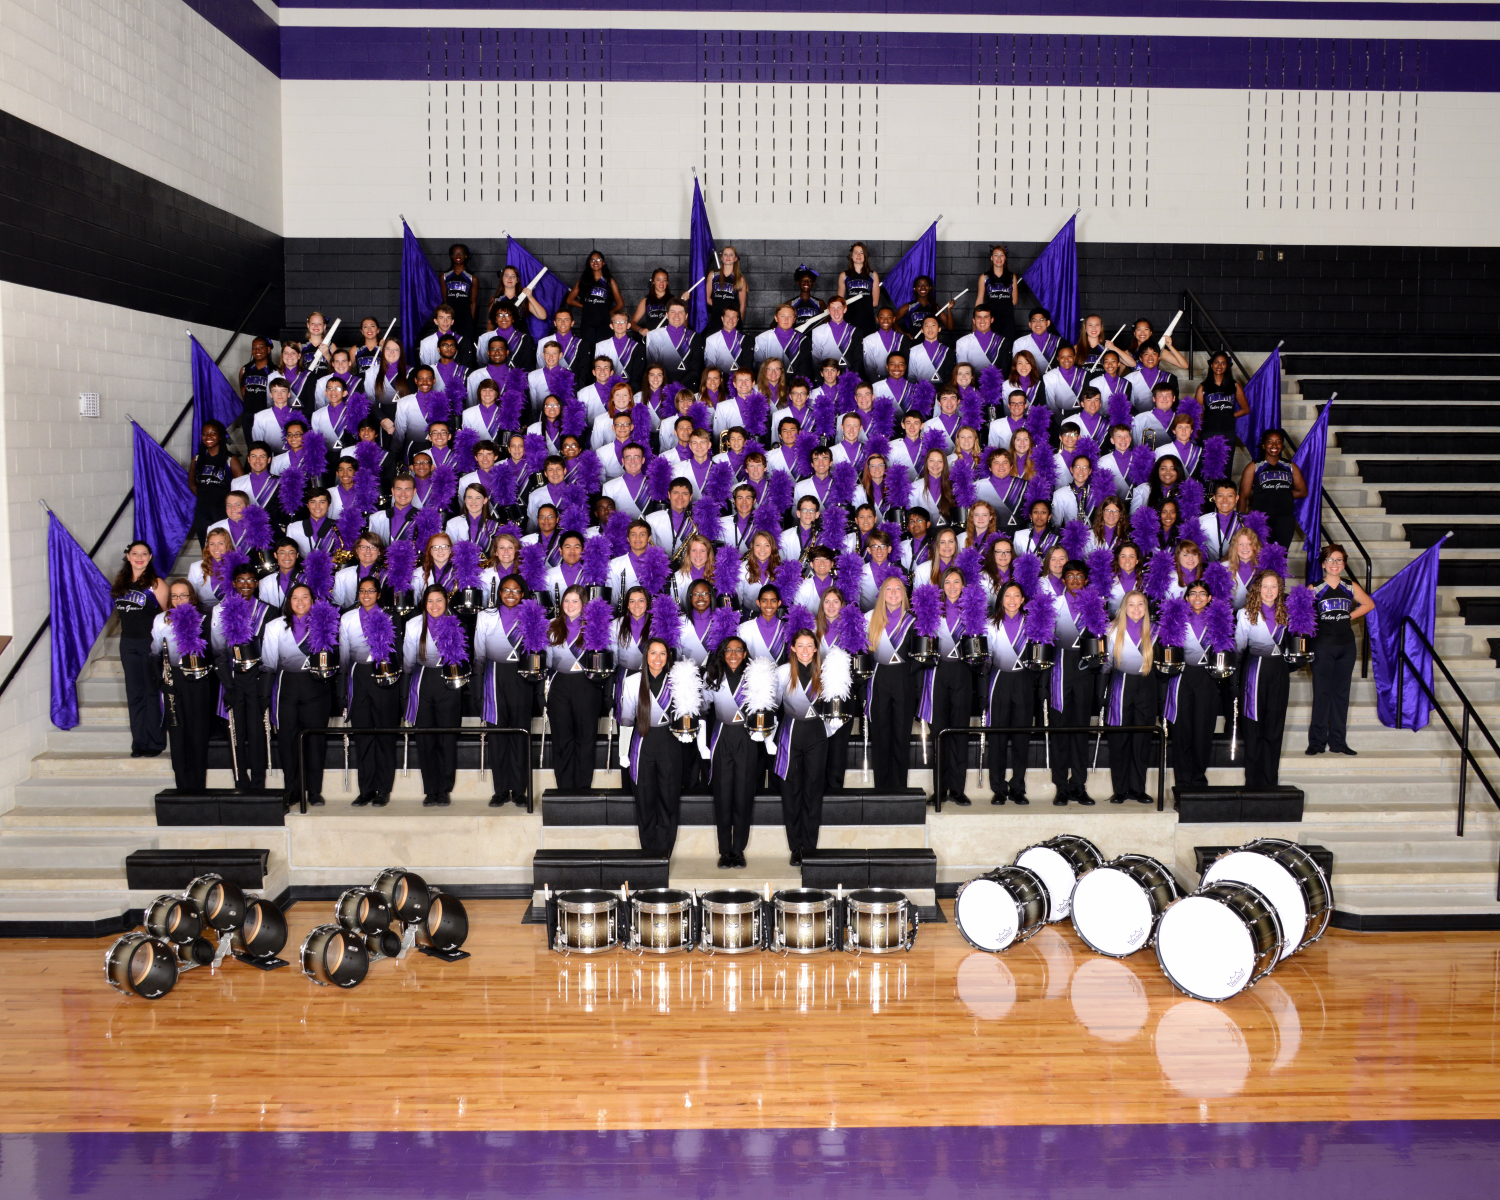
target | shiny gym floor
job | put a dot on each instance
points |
(1364, 1066)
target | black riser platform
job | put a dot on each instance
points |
(1231, 805)
(847, 808)
(173, 870)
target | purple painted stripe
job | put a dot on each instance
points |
(247, 25)
(686, 56)
(1374, 1160)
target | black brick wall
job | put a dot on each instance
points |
(75, 222)
(1316, 297)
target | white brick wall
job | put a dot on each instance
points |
(151, 85)
(51, 348)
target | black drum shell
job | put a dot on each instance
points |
(446, 925)
(405, 892)
(221, 903)
(263, 933)
(362, 910)
(138, 964)
(334, 957)
(174, 919)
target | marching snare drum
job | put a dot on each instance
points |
(661, 921)
(587, 921)
(803, 921)
(1001, 908)
(879, 921)
(221, 903)
(334, 957)
(731, 921)
(138, 964)
(174, 918)
(1116, 907)
(362, 910)
(1289, 878)
(1219, 941)
(405, 892)
(1061, 862)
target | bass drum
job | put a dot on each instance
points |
(1217, 942)
(1061, 862)
(1001, 908)
(1116, 907)
(1289, 878)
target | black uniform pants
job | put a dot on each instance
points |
(1130, 753)
(374, 707)
(438, 707)
(573, 707)
(1263, 734)
(735, 763)
(802, 785)
(303, 702)
(1193, 730)
(1332, 673)
(892, 710)
(242, 699)
(952, 706)
(141, 697)
(838, 758)
(189, 737)
(658, 790)
(510, 756)
(1012, 703)
(1070, 751)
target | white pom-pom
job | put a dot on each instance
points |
(838, 675)
(687, 688)
(760, 684)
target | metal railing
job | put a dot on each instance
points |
(1460, 735)
(350, 731)
(1159, 731)
(1192, 308)
(130, 495)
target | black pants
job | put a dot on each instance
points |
(510, 756)
(242, 699)
(1282, 523)
(893, 708)
(1130, 753)
(658, 790)
(304, 702)
(735, 764)
(1332, 672)
(1013, 703)
(146, 736)
(695, 780)
(838, 758)
(1193, 730)
(189, 737)
(208, 510)
(1070, 751)
(374, 707)
(438, 707)
(1263, 735)
(802, 786)
(573, 707)
(952, 706)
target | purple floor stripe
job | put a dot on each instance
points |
(1364, 1160)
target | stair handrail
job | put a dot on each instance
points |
(130, 495)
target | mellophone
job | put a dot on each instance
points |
(730, 921)
(1256, 905)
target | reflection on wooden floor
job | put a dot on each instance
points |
(1358, 1027)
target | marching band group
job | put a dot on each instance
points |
(731, 548)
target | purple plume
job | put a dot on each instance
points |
(617, 533)
(1171, 621)
(536, 453)
(1039, 425)
(1301, 612)
(1142, 460)
(849, 574)
(659, 478)
(653, 570)
(1258, 524)
(256, 528)
(366, 490)
(368, 456)
(236, 619)
(429, 522)
(560, 383)
(1043, 483)
(323, 626)
(1161, 574)
(971, 565)
(187, 628)
(788, 580)
(822, 419)
(1087, 446)
(700, 416)
(1026, 569)
(798, 618)
(719, 485)
(444, 485)
(1273, 558)
(314, 452)
(802, 450)
(597, 625)
(317, 572)
(532, 624)
(1218, 580)
(1101, 565)
(666, 621)
(707, 519)
(290, 490)
(1190, 405)
(1190, 501)
(401, 564)
(727, 571)
(778, 495)
(971, 409)
(595, 561)
(1075, 539)
(574, 419)
(464, 442)
(972, 604)
(588, 472)
(351, 524)
(511, 404)
(380, 632)
(927, 607)
(850, 630)
(992, 386)
(1041, 621)
(448, 638)
(507, 476)
(1215, 464)
(1145, 528)
(898, 486)
(882, 418)
(1218, 630)
(1092, 614)
(466, 564)
(962, 478)
(841, 491)
(755, 414)
(724, 623)
(1117, 409)
(532, 566)
(921, 398)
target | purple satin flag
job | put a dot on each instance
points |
(1309, 510)
(421, 293)
(164, 504)
(1053, 280)
(700, 255)
(214, 397)
(921, 259)
(550, 290)
(1410, 592)
(79, 606)
(1263, 395)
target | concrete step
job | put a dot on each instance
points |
(24, 852)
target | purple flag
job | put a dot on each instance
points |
(1053, 280)
(214, 397)
(921, 259)
(1410, 592)
(1309, 510)
(164, 503)
(700, 254)
(79, 606)
(421, 292)
(1263, 395)
(550, 290)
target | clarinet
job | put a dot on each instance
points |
(168, 688)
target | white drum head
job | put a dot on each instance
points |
(1204, 948)
(1056, 873)
(1111, 912)
(1272, 880)
(986, 914)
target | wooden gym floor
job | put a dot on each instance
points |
(1384, 1032)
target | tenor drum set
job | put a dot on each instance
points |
(1255, 906)
(730, 921)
